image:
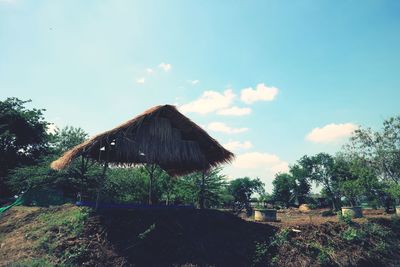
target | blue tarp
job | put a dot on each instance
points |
(131, 206)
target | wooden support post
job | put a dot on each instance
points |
(101, 183)
(150, 169)
(202, 190)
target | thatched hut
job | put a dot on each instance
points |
(160, 136)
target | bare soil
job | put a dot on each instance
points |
(200, 238)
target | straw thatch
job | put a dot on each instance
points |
(160, 135)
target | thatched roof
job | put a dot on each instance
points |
(160, 135)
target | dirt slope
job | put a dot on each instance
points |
(71, 236)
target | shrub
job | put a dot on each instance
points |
(344, 218)
(353, 234)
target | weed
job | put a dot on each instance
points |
(260, 253)
(147, 231)
(353, 234)
(376, 230)
(34, 263)
(281, 237)
(324, 254)
(345, 218)
(53, 227)
(264, 251)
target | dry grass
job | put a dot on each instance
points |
(14, 246)
(293, 217)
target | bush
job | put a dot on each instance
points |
(353, 234)
(344, 218)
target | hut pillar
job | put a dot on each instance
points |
(202, 189)
(101, 183)
(150, 169)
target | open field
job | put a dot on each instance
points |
(293, 217)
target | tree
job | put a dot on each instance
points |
(81, 176)
(126, 185)
(205, 189)
(67, 138)
(242, 189)
(301, 184)
(358, 180)
(23, 137)
(283, 189)
(380, 149)
(321, 169)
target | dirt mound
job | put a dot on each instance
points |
(373, 243)
(71, 236)
(180, 237)
(129, 238)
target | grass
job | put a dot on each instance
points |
(42, 262)
(54, 226)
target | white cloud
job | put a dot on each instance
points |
(165, 66)
(236, 145)
(261, 93)
(210, 101)
(331, 133)
(223, 128)
(140, 80)
(257, 164)
(234, 111)
(149, 71)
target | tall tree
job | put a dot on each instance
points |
(321, 169)
(380, 149)
(205, 189)
(242, 189)
(301, 184)
(23, 137)
(283, 189)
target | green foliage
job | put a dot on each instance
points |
(324, 254)
(67, 138)
(126, 185)
(242, 189)
(283, 189)
(344, 218)
(23, 137)
(147, 231)
(54, 225)
(260, 253)
(42, 262)
(263, 252)
(353, 234)
(300, 184)
(195, 188)
(380, 151)
(393, 189)
(322, 170)
(281, 237)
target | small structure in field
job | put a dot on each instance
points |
(160, 136)
(265, 215)
(353, 212)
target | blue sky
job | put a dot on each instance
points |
(271, 80)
